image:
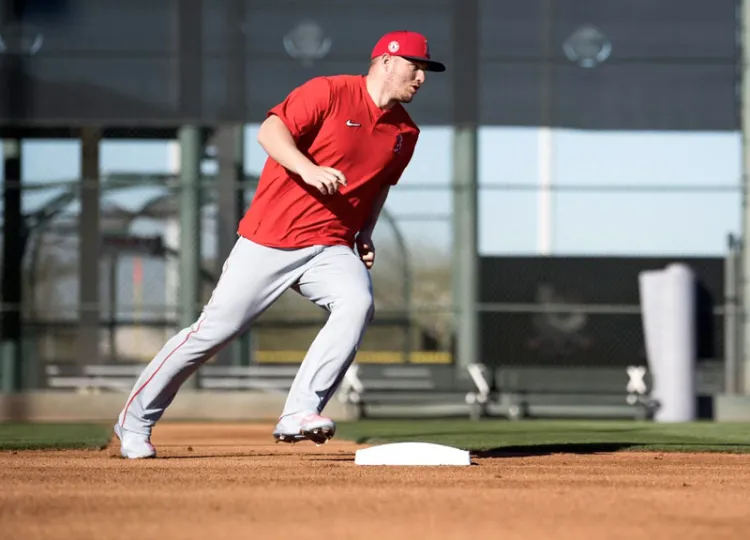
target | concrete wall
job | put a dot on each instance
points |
(52, 406)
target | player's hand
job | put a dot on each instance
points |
(366, 249)
(327, 180)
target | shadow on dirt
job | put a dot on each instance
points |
(549, 449)
(255, 455)
(605, 447)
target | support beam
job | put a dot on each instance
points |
(15, 105)
(113, 301)
(172, 241)
(12, 269)
(745, 129)
(89, 249)
(465, 75)
(731, 327)
(545, 150)
(229, 141)
(190, 98)
(190, 47)
(191, 152)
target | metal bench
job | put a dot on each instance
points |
(517, 392)
(367, 389)
(121, 378)
(92, 378)
(269, 378)
(483, 393)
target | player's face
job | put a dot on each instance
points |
(405, 78)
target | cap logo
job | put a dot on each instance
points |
(426, 49)
(393, 46)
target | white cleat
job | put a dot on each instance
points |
(134, 445)
(312, 427)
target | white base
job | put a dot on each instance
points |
(412, 453)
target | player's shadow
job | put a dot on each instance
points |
(338, 457)
(259, 455)
(549, 449)
(215, 455)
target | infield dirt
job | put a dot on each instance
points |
(214, 480)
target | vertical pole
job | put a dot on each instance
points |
(190, 91)
(545, 141)
(172, 241)
(745, 129)
(90, 239)
(113, 303)
(229, 142)
(465, 77)
(191, 152)
(245, 340)
(12, 269)
(16, 104)
(136, 279)
(545, 190)
(240, 84)
(731, 368)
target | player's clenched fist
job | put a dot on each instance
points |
(366, 249)
(327, 180)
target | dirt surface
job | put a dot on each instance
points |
(234, 481)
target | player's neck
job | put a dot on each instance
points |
(378, 92)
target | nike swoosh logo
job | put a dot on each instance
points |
(352, 124)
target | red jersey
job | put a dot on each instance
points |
(336, 124)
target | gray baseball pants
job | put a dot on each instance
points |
(253, 277)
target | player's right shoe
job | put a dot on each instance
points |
(313, 427)
(134, 445)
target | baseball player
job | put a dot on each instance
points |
(335, 146)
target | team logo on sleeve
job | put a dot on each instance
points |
(399, 143)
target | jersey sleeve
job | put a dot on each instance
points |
(304, 109)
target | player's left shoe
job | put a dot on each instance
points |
(134, 445)
(313, 427)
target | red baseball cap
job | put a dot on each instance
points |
(409, 45)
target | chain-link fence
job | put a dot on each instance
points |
(652, 175)
(559, 309)
(590, 64)
(138, 304)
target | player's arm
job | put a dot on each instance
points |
(280, 145)
(395, 175)
(365, 247)
(302, 112)
(377, 207)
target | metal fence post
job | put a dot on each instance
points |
(466, 113)
(190, 234)
(744, 129)
(12, 271)
(731, 327)
(89, 254)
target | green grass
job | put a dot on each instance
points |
(53, 436)
(486, 437)
(532, 437)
